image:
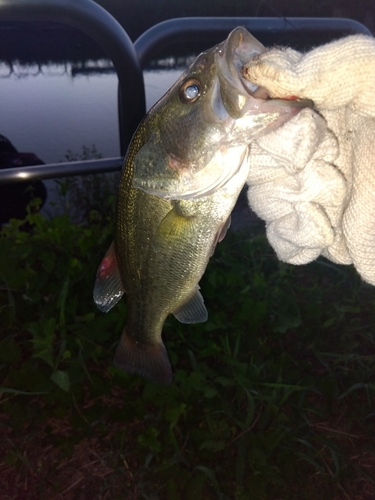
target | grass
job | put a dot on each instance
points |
(272, 398)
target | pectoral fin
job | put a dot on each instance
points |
(192, 311)
(176, 226)
(108, 288)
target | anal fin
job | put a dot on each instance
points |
(193, 310)
(108, 288)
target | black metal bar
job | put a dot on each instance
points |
(64, 169)
(97, 23)
(216, 29)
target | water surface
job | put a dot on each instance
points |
(51, 109)
(54, 110)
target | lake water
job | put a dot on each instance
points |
(51, 109)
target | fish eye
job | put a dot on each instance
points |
(190, 91)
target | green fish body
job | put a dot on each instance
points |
(182, 175)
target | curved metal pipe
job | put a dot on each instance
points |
(88, 17)
(216, 29)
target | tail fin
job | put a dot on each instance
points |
(149, 360)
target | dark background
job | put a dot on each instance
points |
(43, 43)
(138, 15)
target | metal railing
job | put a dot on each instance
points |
(129, 59)
(270, 30)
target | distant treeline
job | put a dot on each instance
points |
(138, 15)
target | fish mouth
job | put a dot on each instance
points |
(239, 95)
(230, 57)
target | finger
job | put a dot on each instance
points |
(341, 73)
(276, 71)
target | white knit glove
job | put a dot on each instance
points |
(313, 179)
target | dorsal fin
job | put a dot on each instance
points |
(108, 288)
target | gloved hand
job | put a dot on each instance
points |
(313, 179)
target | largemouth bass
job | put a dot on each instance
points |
(182, 175)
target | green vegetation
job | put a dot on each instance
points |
(273, 397)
